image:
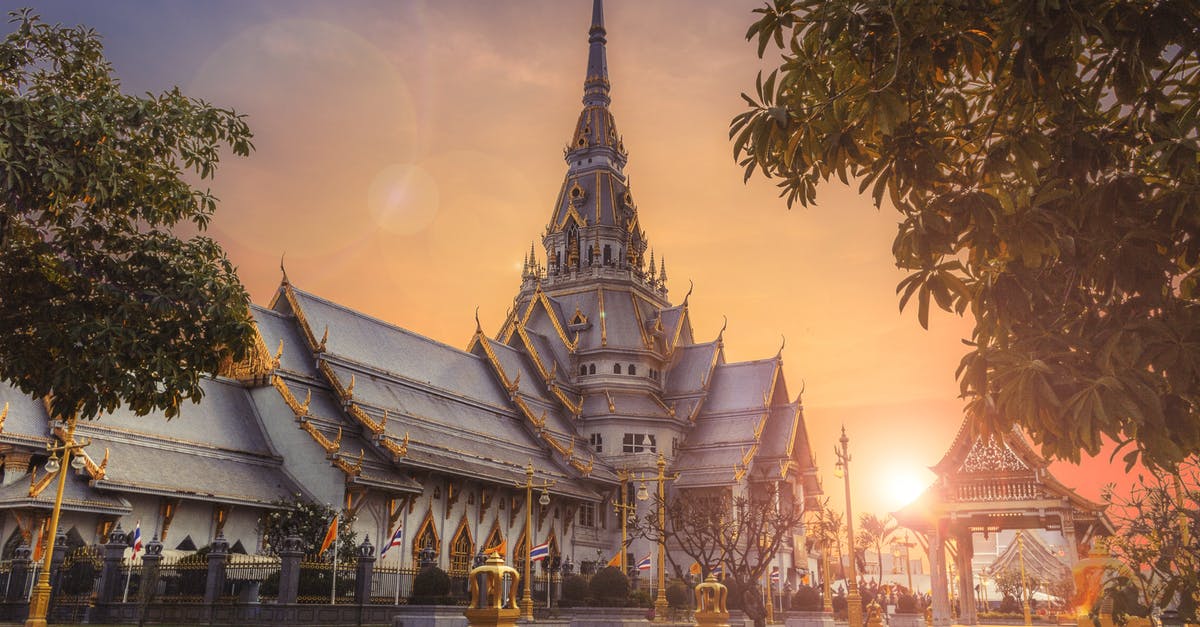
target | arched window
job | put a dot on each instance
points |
(520, 554)
(582, 368)
(616, 368)
(494, 538)
(607, 255)
(461, 549)
(632, 369)
(426, 537)
(592, 369)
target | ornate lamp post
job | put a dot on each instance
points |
(1024, 586)
(908, 545)
(842, 470)
(625, 510)
(39, 599)
(544, 500)
(660, 601)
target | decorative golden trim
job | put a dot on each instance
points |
(290, 295)
(637, 314)
(612, 408)
(258, 361)
(375, 427)
(94, 471)
(324, 338)
(352, 470)
(580, 221)
(3, 417)
(603, 322)
(397, 450)
(327, 370)
(37, 486)
(299, 409)
(330, 446)
(670, 410)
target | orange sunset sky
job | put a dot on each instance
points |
(409, 152)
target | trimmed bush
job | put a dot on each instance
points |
(609, 587)
(574, 589)
(806, 599)
(679, 595)
(430, 586)
(1010, 606)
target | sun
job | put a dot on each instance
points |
(904, 486)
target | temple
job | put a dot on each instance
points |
(594, 374)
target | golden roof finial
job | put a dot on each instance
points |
(324, 338)
(307, 400)
(779, 353)
(279, 352)
(350, 388)
(383, 422)
(721, 333)
(103, 464)
(691, 285)
(282, 269)
(337, 442)
(478, 326)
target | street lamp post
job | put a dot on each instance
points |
(39, 599)
(544, 500)
(1024, 585)
(624, 509)
(842, 470)
(660, 600)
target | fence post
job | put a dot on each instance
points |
(151, 559)
(366, 567)
(218, 555)
(56, 561)
(18, 580)
(289, 569)
(110, 574)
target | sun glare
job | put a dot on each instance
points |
(904, 487)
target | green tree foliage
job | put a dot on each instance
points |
(1158, 538)
(1010, 584)
(103, 304)
(873, 532)
(609, 587)
(310, 521)
(1043, 157)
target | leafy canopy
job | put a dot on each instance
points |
(102, 303)
(1043, 158)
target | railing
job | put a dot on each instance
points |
(391, 585)
(183, 580)
(318, 586)
(251, 578)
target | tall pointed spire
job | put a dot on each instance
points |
(595, 84)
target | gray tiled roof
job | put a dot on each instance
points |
(739, 386)
(195, 472)
(274, 327)
(78, 496)
(692, 366)
(27, 421)
(224, 419)
(369, 341)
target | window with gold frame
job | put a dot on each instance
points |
(461, 550)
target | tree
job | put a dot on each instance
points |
(310, 521)
(103, 304)
(1011, 585)
(1043, 159)
(873, 531)
(744, 533)
(1158, 537)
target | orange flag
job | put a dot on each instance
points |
(330, 535)
(615, 561)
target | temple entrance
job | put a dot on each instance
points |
(986, 485)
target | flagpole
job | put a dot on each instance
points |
(333, 579)
(128, 576)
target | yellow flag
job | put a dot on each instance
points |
(501, 548)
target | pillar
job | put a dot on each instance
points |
(968, 615)
(938, 583)
(151, 559)
(218, 555)
(289, 569)
(363, 572)
(110, 573)
(18, 579)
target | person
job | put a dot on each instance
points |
(752, 605)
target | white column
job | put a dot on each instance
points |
(938, 579)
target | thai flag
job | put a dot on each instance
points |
(718, 570)
(137, 539)
(774, 576)
(644, 564)
(397, 540)
(539, 552)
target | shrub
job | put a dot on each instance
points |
(574, 589)
(609, 587)
(906, 604)
(640, 598)
(430, 586)
(678, 595)
(1010, 605)
(806, 599)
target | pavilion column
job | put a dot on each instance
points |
(967, 614)
(1068, 531)
(938, 583)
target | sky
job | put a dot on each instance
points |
(408, 153)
